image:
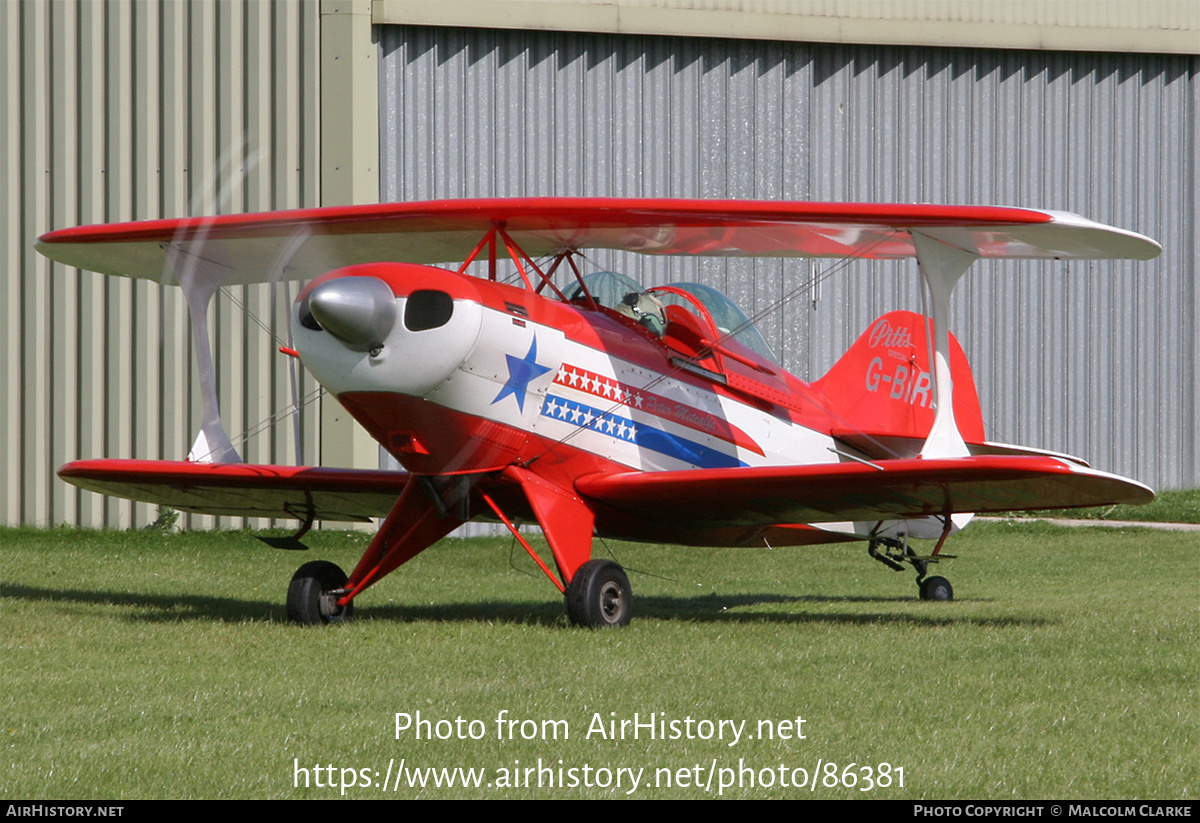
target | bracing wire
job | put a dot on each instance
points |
(272, 419)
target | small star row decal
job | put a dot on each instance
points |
(587, 417)
(576, 378)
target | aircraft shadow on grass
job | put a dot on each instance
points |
(707, 608)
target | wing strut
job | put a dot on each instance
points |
(941, 267)
(200, 278)
(199, 284)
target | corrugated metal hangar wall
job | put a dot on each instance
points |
(121, 110)
(1095, 359)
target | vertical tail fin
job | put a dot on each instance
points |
(881, 391)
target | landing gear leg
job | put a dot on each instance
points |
(935, 588)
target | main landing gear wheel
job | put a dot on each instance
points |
(313, 594)
(936, 588)
(599, 596)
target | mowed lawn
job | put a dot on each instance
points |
(152, 665)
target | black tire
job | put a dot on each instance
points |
(308, 600)
(936, 588)
(600, 596)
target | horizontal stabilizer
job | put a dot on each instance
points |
(240, 490)
(990, 447)
(885, 490)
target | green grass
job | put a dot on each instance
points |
(1179, 506)
(144, 665)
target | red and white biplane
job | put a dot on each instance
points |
(594, 406)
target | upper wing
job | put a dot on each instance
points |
(243, 490)
(886, 490)
(302, 244)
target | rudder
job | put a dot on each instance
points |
(881, 391)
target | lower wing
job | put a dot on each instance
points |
(883, 490)
(242, 490)
(825, 493)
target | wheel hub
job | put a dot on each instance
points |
(329, 605)
(611, 602)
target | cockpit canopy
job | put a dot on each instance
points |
(625, 295)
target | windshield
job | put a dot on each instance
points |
(608, 287)
(624, 295)
(728, 318)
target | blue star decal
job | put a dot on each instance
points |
(521, 370)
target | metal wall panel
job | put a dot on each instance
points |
(1159, 26)
(132, 110)
(1097, 359)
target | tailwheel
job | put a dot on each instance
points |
(313, 594)
(895, 553)
(599, 596)
(936, 588)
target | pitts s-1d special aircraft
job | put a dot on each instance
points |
(594, 406)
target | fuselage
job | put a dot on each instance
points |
(457, 375)
(472, 375)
